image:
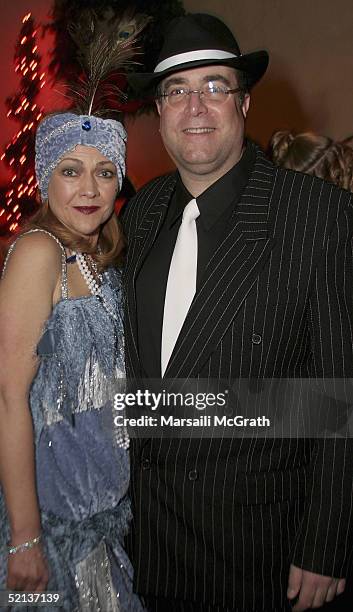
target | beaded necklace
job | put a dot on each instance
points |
(93, 279)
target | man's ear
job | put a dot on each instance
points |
(158, 105)
(245, 105)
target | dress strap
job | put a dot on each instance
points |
(64, 290)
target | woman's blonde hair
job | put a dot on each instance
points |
(313, 154)
(111, 240)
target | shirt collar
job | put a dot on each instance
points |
(215, 200)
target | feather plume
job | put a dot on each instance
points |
(104, 48)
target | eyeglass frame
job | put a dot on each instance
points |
(188, 92)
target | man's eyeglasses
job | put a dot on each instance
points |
(213, 94)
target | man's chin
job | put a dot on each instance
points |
(197, 163)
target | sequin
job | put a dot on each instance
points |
(86, 125)
(94, 582)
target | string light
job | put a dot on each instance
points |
(19, 152)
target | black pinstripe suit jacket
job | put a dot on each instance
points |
(221, 521)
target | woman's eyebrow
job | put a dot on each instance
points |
(71, 159)
(79, 161)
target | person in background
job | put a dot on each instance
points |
(332, 161)
(236, 269)
(64, 469)
(314, 154)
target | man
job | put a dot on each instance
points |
(265, 264)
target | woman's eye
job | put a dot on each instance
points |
(69, 172)
(107, 174)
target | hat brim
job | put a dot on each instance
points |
(253, 64)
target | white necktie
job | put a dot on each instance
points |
(181, 284)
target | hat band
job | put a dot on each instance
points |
(192, 56)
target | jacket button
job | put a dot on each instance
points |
(256, 339)
(193, 475)
(146, 464)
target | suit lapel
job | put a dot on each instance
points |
(146, 234)
(229, 276)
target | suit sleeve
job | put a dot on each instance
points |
(324, 541)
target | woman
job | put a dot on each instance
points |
(63, 467)
(313, 154)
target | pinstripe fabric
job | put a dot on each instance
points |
(219, 521)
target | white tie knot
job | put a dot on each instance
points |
(191, 211)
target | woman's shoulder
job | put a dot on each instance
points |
(39, 240)
(34, 250)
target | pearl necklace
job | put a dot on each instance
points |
(86, 264)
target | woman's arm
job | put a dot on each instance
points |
(26, 300)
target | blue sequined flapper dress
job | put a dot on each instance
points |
(82, 468)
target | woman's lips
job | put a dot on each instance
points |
(86, 210)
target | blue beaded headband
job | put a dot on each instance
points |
(58, 134)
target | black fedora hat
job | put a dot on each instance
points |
(199, 40)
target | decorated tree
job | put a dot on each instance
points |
(18, 198)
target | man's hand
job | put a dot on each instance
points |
(312, 590)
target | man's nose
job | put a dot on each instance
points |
(196, 104)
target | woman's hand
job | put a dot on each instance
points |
(28, 570)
